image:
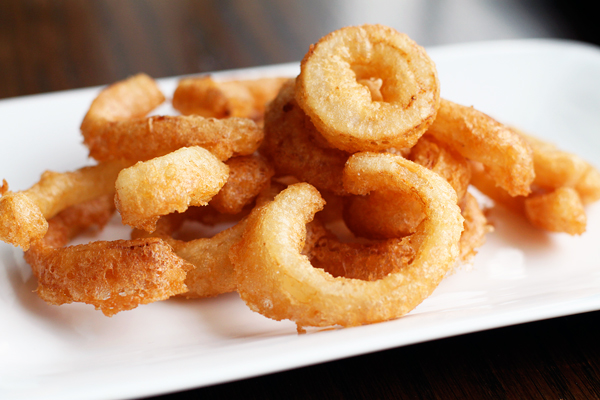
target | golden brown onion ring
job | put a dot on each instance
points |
(115, 127)
(292, 144)
(113, 276)
(23, 214)
(190, 176)
(478, 137)
(275, 280)
(329, 90)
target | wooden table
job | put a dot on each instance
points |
(57, 45)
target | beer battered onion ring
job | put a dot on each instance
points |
(342, 108)
(24, 214)
(275, 280)
(112, 276)
(190, 176)
(115, 127)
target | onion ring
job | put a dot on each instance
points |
(478, 137)
(275, 280)
(24, 214)
(114, 127)
(112, 276)
(343, 109)
(149, 189)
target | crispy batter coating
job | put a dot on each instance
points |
(331, 88)
(115, 127)
(293, 146)
(478, 137)
(248, 176)
(221, 99)
(23, 214)
(276, 280)
(112, 276)
(190, 176)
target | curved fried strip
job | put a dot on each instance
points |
(478, 137)
(213, 272)
(275, 280)
(112, 276)
(115, 127)
(248, 175)
(23, 214)
(149, 189)
(221, 99)
(292, 145)
(329, 88)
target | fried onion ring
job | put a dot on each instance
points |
(478, 137)
(275, 280)
(149, 189)
(115, 127)
(112, 276)
(24, 215)
(329, 90)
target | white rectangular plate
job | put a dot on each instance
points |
(549, 88)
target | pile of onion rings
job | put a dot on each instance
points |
(344, 193)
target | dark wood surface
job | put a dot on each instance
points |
(58, 45)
